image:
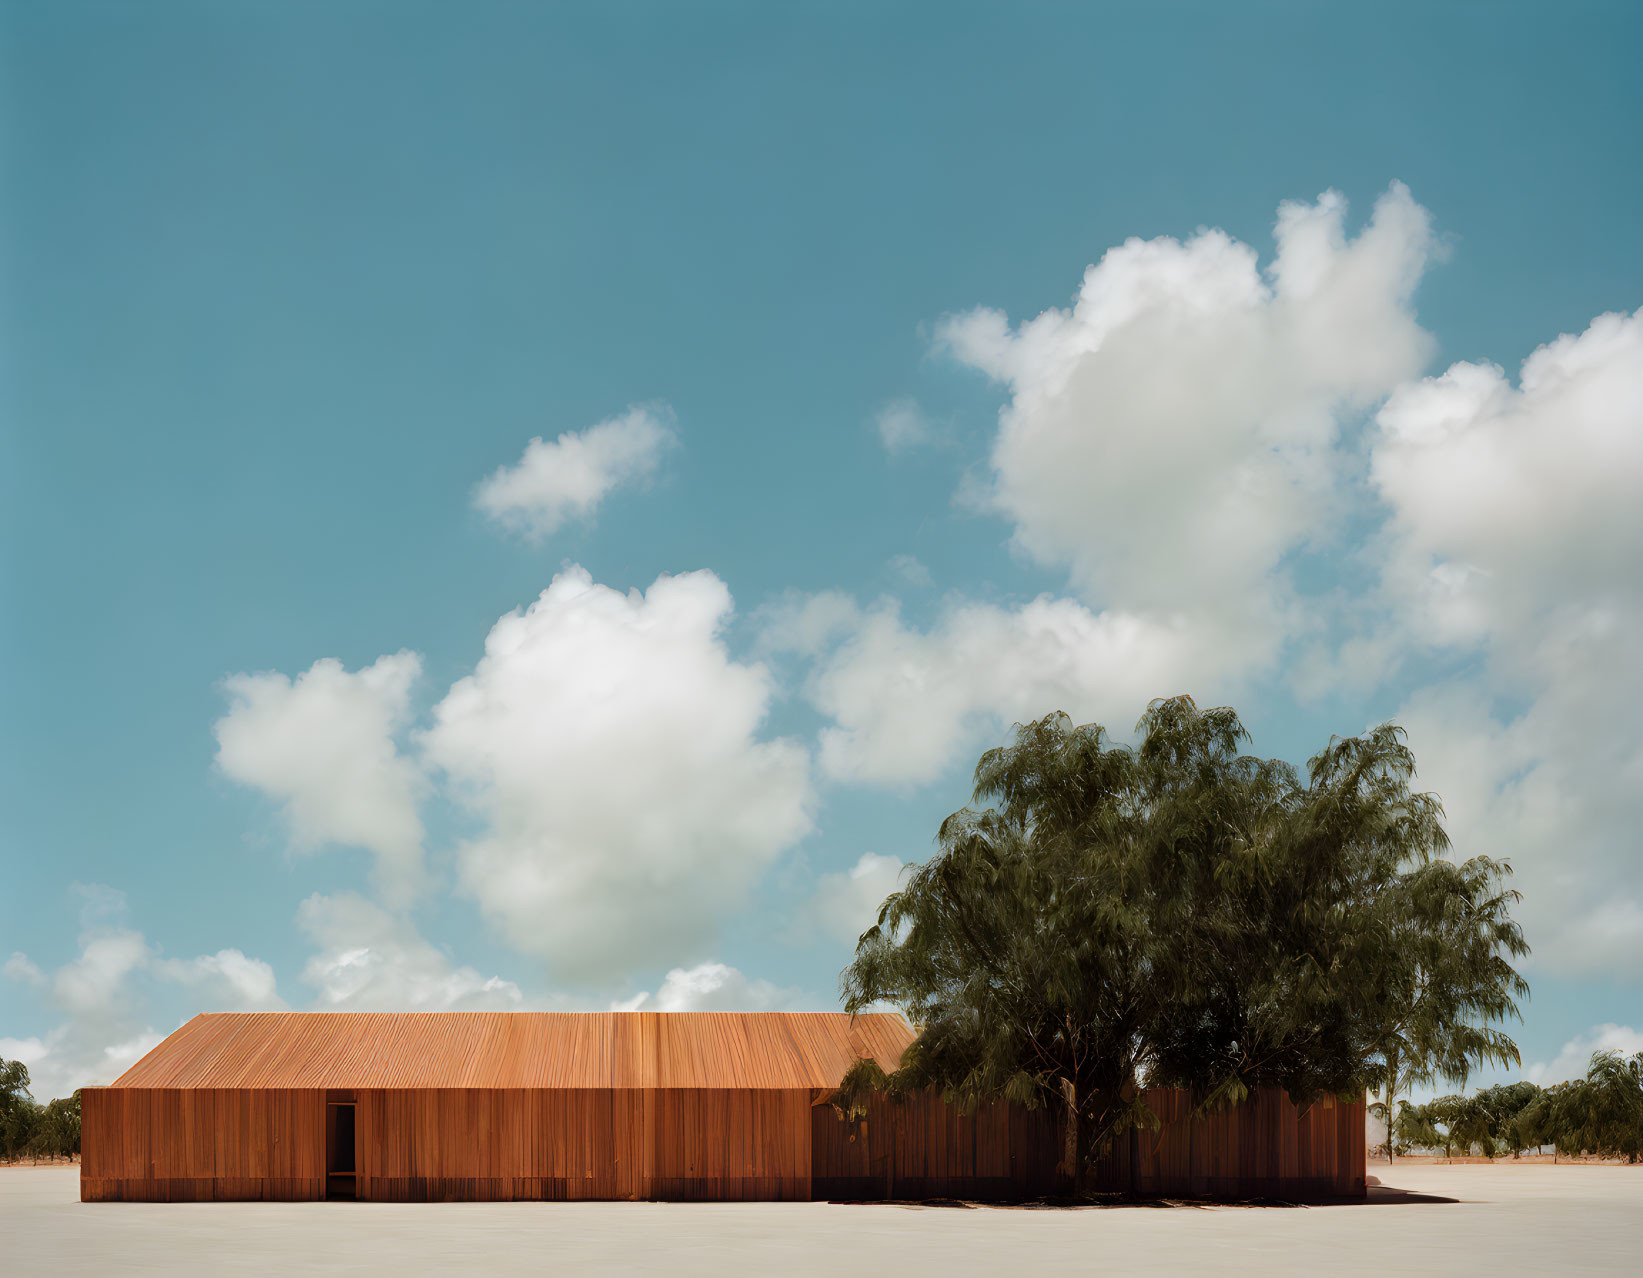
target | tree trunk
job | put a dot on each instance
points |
(1069, 1151)
(1390, 1102)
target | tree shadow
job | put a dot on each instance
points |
(1378, 1194)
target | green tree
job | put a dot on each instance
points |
(1468, 1123)
(1553, 1117)
(58, 1134)
(1606, 1113)
(1491, 1121)
(1444, 973)
(1398, 1075)
(19, 1115)
(1504, 1107)
(1022, 951)
(1420, 1126)
(1181, 914)
(27, 1127)
(1601, 1113)
(1413, 1126)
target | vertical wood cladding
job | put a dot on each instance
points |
(167, 1144)
(630, 1105)
(685, 1144)
(921, 1147)
(196, 1144)
(1264, 1148)
(504, 1143)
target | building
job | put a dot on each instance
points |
(623, 1105)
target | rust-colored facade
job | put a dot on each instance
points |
(626, 1105)
(1264, 1148)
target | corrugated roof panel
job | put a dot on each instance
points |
(519, 1049)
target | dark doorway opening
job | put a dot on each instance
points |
(341, 1169)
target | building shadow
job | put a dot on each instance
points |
(1378, 1195)
(1391, 1195)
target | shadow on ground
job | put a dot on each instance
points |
(1391, 1195)
(1379, 1194)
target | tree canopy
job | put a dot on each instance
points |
(1600, 1114)
(1180, 913)
(28, 1127)
(1492, 1120)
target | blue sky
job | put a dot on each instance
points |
(286, 286)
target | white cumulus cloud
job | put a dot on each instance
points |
(1523, 506)
(370, 960)
(845, 905)
(710, 987)
(552, 483)
(93, 983)
(907, 703)
(1515, 536)
(806, 624)
(24, 971)
(323, 746)
(1173, 436)
(227, 978)
(612, 747)
(105, 992)
(1577, 1053)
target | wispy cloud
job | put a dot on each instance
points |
(568, 478)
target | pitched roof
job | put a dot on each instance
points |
(519, 1049)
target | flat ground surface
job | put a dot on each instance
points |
(1530, 1219)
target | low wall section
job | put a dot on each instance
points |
(415, 1145)
(920, 1147)
(680, 1144)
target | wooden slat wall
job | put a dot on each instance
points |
(1264, 1148)
(170, 1144)
(923, 1148)
(192, 1145)
(436, 1144)
(441, 1144)
(659, 1143)
(710, 1144)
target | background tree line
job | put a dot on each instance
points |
(29, 1129)
(1600, 1114)
(1178, 913)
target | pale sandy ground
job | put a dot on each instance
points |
(1511, 1220)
